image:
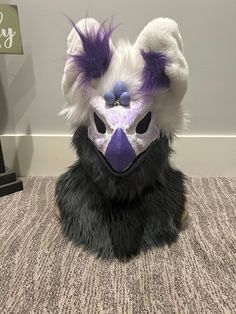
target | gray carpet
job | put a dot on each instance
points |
(41, 272)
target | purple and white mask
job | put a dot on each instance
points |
(126, 95)
(121, 128)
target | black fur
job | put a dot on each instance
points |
(118, 215)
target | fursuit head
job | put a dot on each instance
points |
(123, 103)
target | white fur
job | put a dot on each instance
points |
(160, 35)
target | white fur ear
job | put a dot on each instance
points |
(74, 46)
(162, 35)
(75, 96)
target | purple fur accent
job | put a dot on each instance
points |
(153, 75)
(95, 58)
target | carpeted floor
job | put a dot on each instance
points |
(41, 272)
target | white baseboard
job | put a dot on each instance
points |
(50, 155)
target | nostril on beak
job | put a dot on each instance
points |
(119, 153)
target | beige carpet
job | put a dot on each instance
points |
(41, 272)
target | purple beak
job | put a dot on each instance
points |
(119, 153)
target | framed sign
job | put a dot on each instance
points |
(10, 43)
(10, 36)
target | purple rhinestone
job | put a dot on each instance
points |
(109, 98)
(119, 88)
(125, 99)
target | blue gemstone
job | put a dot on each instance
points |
(125, 99)
(119, 88)
(109, 98)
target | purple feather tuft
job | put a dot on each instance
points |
(95, 58)
(153, 75)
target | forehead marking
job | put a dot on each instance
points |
(120, 116)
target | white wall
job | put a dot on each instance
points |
(31, 95)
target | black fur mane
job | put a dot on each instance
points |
(146, 172)
(117, 215)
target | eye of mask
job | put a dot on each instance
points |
(143, 125)
(100, 125)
